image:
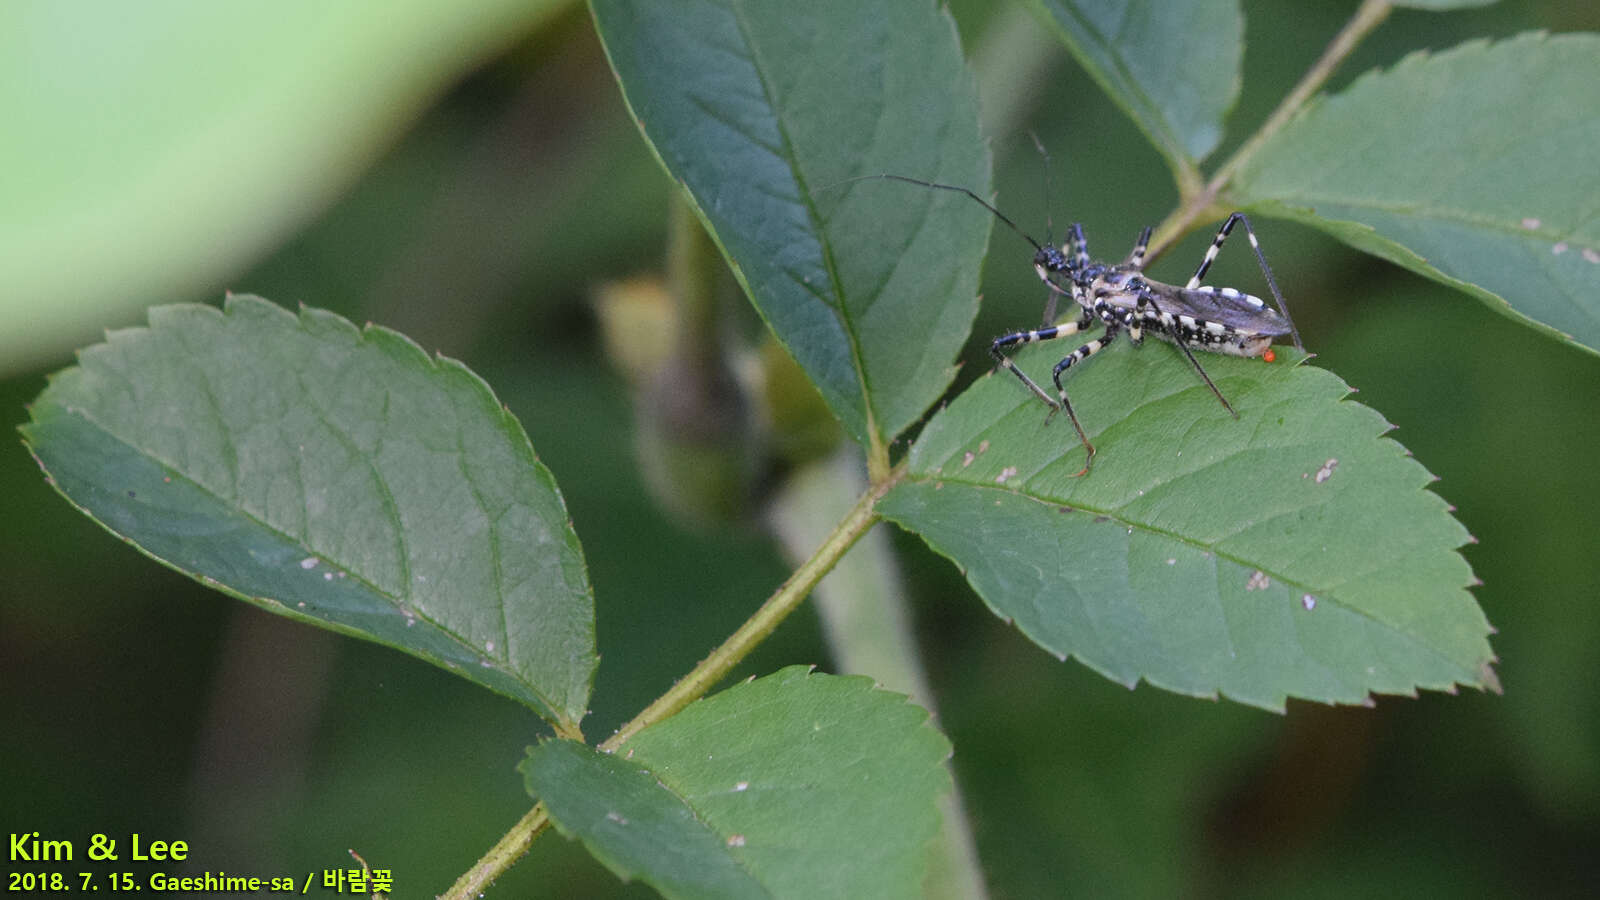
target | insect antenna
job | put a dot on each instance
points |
(945, 187)
(1049, 230)
(1049, 221)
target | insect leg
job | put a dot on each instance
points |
(1178, 339)
(1216, 247)
(1077, 250)
(1077, 356)
(997, 349)
(1140, 314)
(1051, 291)
(1136, 258)
(1077, 245)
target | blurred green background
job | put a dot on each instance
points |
(472, 183)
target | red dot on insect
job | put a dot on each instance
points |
(1269, 356)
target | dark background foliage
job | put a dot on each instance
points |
(136, 700)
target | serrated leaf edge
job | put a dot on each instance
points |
(437, 363)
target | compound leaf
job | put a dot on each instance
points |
(1477, 167)
(793, 785)
(760, 108)
(1293, 552)
(334, 475)
(1173, 66)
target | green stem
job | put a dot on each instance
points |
(867, 622)
(862, 516)
(715, 667)
(702, 678)
(506, 851)
(1368, 17)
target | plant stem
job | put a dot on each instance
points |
(506, 851)
(702, 678)
(866, 620)
(713, 668)
(1366, 18)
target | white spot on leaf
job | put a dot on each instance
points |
(1531, 223)
(309, 562)
(1005, 473)
(1258, 582)
(735, 840)
(1309, 602)
(1326, 472)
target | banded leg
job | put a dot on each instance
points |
(1136, 258)
(1136, 318)
(1071, 359)
(1077, 246)
(1077, 250)
(1032, 337)
(1216, 247)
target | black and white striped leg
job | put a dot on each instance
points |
(1077, 249)
(1071, 359)
(1077, 245)
(1266, 270)
(1000, 344)
(1136, 258)
(1141, 311)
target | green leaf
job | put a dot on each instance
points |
(793, 785)
(760, 108)
(1173, 66)
(1293, 552)
(1477, 167)
(153, 155)
(332, 475)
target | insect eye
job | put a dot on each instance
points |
(1050, 259)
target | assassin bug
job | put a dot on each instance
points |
(1120, 296)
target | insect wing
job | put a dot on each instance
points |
(1233, 310)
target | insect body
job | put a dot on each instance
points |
(1122, 298)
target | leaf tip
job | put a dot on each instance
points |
(1490, 681)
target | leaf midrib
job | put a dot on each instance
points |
(403, 608)
(841, 311)
(1116, 516)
